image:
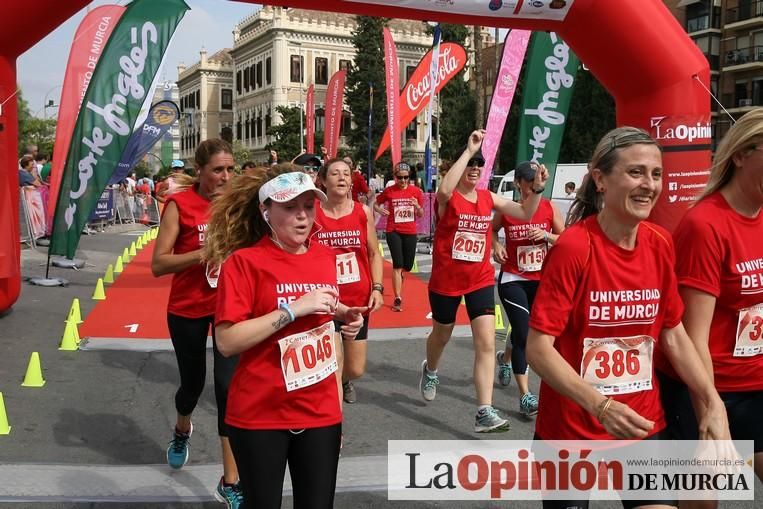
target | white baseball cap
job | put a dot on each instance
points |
(288, 186)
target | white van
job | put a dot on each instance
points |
(573, 172)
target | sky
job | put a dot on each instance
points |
(209, 23)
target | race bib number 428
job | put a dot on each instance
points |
(308, 357)
(404, 214)
(618, 365)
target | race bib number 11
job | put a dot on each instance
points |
(308, 357)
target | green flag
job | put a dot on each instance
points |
(118, 88)
(550, 78)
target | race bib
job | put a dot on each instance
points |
(308, 357)
(618, 365)
(530, 258)
(347, 270)
(749, 331)
(404, 214)
(468, 246)
(212, 272)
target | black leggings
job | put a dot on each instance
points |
(517, 298)
(189, 339)
(402, 249)
(312, 455)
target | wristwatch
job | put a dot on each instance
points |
(539, 191)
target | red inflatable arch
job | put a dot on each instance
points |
(636, 49)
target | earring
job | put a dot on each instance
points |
(266, 215)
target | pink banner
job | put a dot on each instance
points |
(87, 46)
(35, 211)
(310, 119)
(514, 48)
(334, 103)
(393, 100)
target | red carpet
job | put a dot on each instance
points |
(136, 303)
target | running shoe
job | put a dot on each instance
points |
(348, 393)
(504, 369)
(398, 304)
(528, 404)
(428, 383)
(177, 451)
(487, 420)
(230, 495)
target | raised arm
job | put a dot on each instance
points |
(450, 180)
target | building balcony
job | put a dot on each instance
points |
(747, 15)
(744, 59)
(737, 104)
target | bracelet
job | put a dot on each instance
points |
(545, 236)
(603, 407)
(378, 287)
(539, 191)
(285, 307)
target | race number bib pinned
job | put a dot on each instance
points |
(404, 214)
(468, 246)
(347, 270)
(749, 341)
(530, 258)
(618, 365)
(308, 357)
(213, 273)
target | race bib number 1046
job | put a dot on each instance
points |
(308, 357)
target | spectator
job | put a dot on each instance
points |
(569, 190)
(26, 176)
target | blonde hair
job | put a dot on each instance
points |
(740, 139)
(588, 200)
(235, 218)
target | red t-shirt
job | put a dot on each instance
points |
(462, 242)
(191, 295)
(348, 237)
(720, 252)
(401, 218)
(522, 251)
(253, 282)
(598, 298)
(359, 186)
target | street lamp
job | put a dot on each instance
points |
(49, 103)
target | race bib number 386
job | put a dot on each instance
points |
(618, 365)
(749, 341)
(308, 357)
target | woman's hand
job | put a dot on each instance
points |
(375, 301)
(323, 300)
(622, 422)
(541, 177)
(714, 423)
(475, 141)
(499, 253)
(353, 321)
(537, 235)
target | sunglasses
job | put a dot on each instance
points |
(311, 169)
(403, 177)
(476, 162)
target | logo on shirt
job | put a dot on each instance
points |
(612, 308)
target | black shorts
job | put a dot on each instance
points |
(478, 303)
(744, 411)
(402, 249)
(362, 333)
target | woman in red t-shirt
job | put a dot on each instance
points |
(277, 300)
(593, 338)
(719, 263)
(461, 267)
(527, 243)
(347, 227)
(405, 202)
(191, 306)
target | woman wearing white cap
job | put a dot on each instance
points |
(277, 300)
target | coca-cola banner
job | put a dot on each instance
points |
(514, 48)
(531, 9)
(415, 94)
(392, 81)
(334, 101)
(310, 119)
(685, 142)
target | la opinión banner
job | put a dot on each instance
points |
(111, 106)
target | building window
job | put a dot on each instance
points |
(246, 79)
(246, 129)
(411, 132)
(320, 120)
(238, 129)
(344, 65)
(268, 75)
(226, 99)
(259, 126)
(321, 71)
(227, 134)
(252, 77)
(296, 68)
(259, 74)
(757, 92)
(409, 70)
(238, 82)
(198, 99)
(740, 93)
(435, 127)
(267, 122)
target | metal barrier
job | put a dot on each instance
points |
(25, 229)
(123, 202)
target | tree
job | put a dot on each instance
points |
(591, 115)
(34, 131)
(458, 102)
(240, 153)
(367, 69)
(286, 134)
